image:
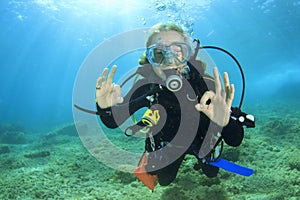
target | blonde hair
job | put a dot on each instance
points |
(156, 29)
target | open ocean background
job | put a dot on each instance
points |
(45, 42)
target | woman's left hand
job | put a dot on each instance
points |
(221, 100)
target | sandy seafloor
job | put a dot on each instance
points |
(55, 165)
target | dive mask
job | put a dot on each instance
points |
(175, 53)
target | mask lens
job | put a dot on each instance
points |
(181, 52)
(155, 54)
(158, 54)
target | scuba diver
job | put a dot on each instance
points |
(188, 111)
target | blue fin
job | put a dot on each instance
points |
(232, 167)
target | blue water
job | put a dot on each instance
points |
(44, 43)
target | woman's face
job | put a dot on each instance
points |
(168, 50)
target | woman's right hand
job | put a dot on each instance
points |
(108, 94)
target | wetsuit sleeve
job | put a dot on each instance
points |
(106, 116)
(114, 116)
(233, 133)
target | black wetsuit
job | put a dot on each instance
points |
(181, 127)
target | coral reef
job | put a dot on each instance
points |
(294, 161)
(56, 166)
(11, 127)
(4, 149)
(13, 137)
(67, 129)
(38, 154)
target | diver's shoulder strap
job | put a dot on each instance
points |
(144, 70)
